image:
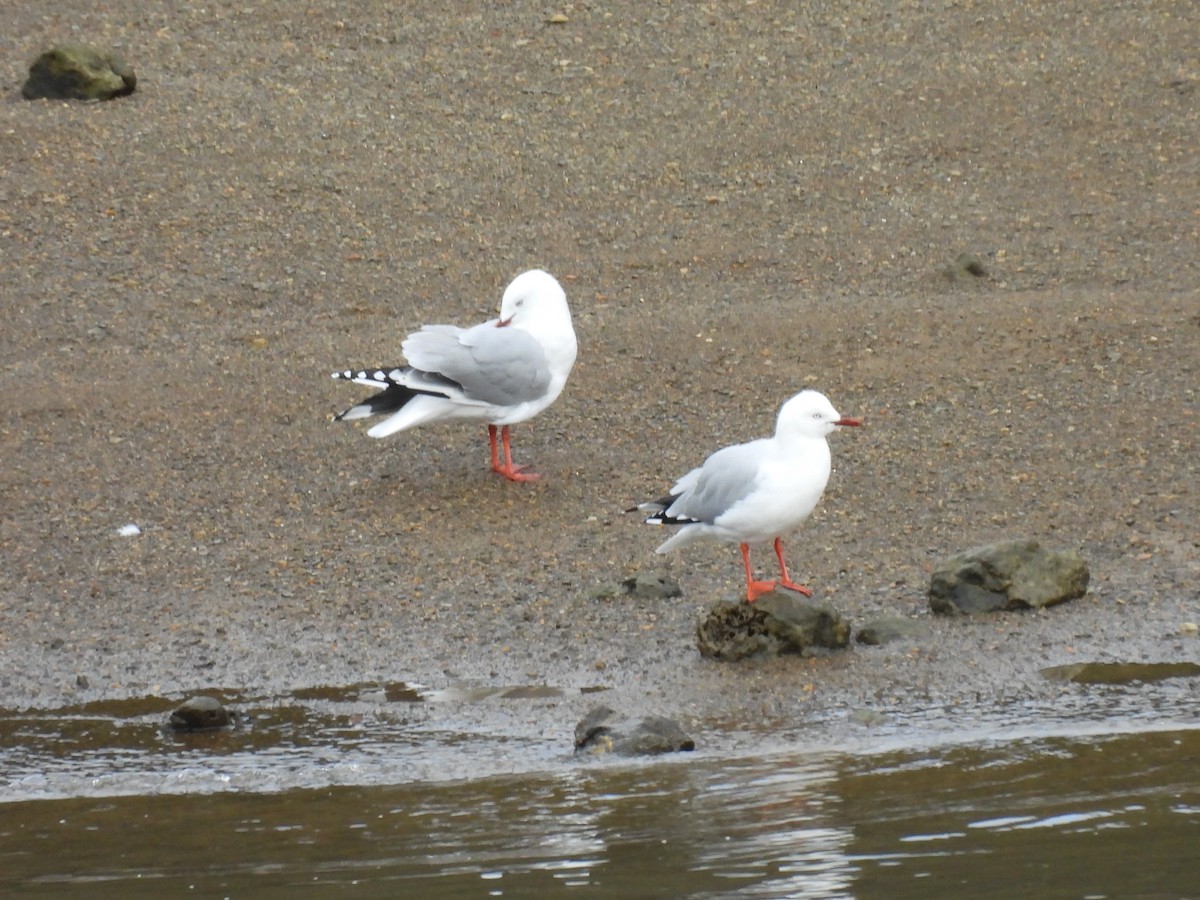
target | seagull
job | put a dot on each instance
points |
(754, 492)
(501, 372)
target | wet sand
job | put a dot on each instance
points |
(741, 202)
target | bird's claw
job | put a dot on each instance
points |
(516, 473)
(799, 588)
(756, 589)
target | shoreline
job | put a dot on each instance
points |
(183, 267)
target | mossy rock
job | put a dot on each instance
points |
(777, 624)
(1007, 575)
(79, 72)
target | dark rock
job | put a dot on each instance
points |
(652, 587)
(79, 72)
(1007, 575)
(200, 714)
(777, 623)
(966, 267)
(643, 587)
(604, 731)
(1120, 673)
(890, 628)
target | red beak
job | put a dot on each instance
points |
(846, 420)
(500, 323)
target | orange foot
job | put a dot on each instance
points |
(755, 589)
(516, 473)
(791, 585)
(509, 469)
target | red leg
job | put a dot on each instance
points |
(754, 589)
(787, 581)
(495, 449)
(508, 470)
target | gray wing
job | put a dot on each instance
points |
(501, 366)
(728, 476)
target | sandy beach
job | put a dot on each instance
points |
(741, 201)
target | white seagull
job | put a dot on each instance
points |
(501, 372)
(754, 492)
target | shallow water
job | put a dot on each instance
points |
(358, 735)
(1115, 816)
(341, 806)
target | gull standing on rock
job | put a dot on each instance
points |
(501, 372)
(754, 492)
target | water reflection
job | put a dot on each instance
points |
(1100, 816)
(771, 825)
(1093, 816)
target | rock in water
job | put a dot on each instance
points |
(779, 623)
(1007, 575)
(603, 730)
(200, 714)
(79, 72)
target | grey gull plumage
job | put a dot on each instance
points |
(503, 371)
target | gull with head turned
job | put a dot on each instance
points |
(503, 371)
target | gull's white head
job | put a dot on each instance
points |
(536, 304)
(810, 414)
(533, 295)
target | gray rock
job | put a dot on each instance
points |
(887, 629)
(200, 714)
(603, 730)
(652, 587)
(778, 623)
(966, 267)
(79, 72)
(1006, 575)
(643, 587)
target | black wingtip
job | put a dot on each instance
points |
(389, 400)
(659, 509)
(664, 519)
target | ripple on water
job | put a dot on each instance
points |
(1042, 816)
